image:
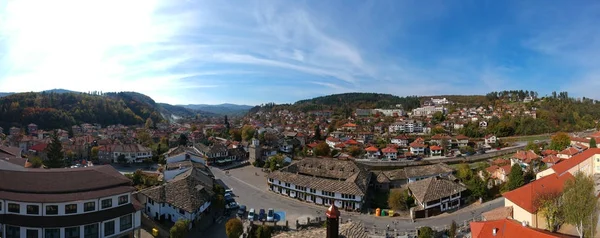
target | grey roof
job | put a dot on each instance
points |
(434, 188)
(188, 191)
(326, 174)
(213, 149)
(427, 170)
(346, 230)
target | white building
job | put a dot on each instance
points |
(341, 181)
(427, 110)
(80, 202)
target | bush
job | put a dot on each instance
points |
(180, 229)
(234, 228)
(426, 232)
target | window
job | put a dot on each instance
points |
(109, 228)
(106, 203)
(181, 211)
(89, 206)
(52, 210)
(125, 222)
(32, 233)
(52, 233)
(0, 206)
(270, 180)
(325, 193)
(313, 190)
(90, 231)
(72, 232)
(123, 199)
(13, 207)
(287, 184)
(70, 208)
(33, 210)
(150, 201)
(13, 231)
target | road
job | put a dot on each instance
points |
(251, 190)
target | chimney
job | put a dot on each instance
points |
(494, 231)
(333, 221)
(524, 223)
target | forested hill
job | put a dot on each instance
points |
(346, 101)
(61, 110)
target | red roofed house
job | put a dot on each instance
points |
(579, 140)
(435, 150)
(390, 153)
(349, 127)
(587, 162)
(310, 148)
(400, 140)
(417, 147)
(39, 150)
(438, 139)
(490, 139)
(506, 228)
(332, 141)
(549, 152)
(551, 160)
(499, 174)
(462, 140)
(568, 153)
(524, 158)
(372, 152)
(351, 142)
(523, 199)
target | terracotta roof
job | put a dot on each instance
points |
(500, 162)
(498, 213)
(39, 147)
(349, 125)
(526, 156)
(506, 168)
(434, 188)
(440, 136)
(435, 147)
(372, 149)
(526, 195)
(508, 229)
(569, 151)
(462, 137)
(312, 145)
(549, 152)
(565, 165)
(401, 137)
(416, 144)
(581, 146)
(579, 139)
(552, 159)
(492, 169)
(389, 150)
(333, 139)
(351, 142)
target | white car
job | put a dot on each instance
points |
(228, 191)
(271, 215)
(251, 214)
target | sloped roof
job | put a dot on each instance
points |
(434, 188)
(526, 156)
(371, 149)
(427, 170)
(508, 229)
(389, 150)
(498, 213)
(525, 196)
(569, 151)
(565, 165)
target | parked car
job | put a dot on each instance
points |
(262, 215)
(242, 211)
(231, 205)
(251, 214)
(228, 191)
(271, 215)
(418, 159)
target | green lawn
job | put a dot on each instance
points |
(528, 138)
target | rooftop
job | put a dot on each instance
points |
(434, 188)
(526, 196)
(506, 228)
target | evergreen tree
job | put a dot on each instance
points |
(515, 178)
(317, 132)
(593, 143)
(183, 140)
(56, 158)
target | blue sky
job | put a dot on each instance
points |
(252, 52)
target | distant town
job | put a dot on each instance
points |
(440, 168)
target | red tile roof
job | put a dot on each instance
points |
(462, 137)
(435, 147)
(351, 142)
(549, 152)
(569, 151)
(372, 149)
(526, 156)
(312, 145)
(552, 159)
(492, 169)
(417, 145)
(333, 139)
(579, 139)
(39, 147)
(389, 150)
(508, 229)
(506, 168)
(401, 137)
(565, 165)
(500, 162)
(349, 125)
(525, 196)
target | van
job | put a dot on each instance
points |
(251, 214)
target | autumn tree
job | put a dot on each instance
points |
(515, 178)
(56, 156)
(248, 132)
(235, 134)
(322, 149)
(399, 200)
(149, 123)
(464, 172)
(94, 152)
(35, 161)
(593, 143)
(548, 204)
(580, 205)
(234, 228)
(263, 231)
(426, 232)
(453, 230)
(180, 229)
(144, 137)
(560, 141)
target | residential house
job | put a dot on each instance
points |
(364, 137)
(216, 153)
(32, 129)
(14, 131)
(587, 162)
(435, 195)
(427, 110)
(390, 153)
(372, 152)
(524, 158)
(508, 228)
(435, 150)
(499, 174)
(132, 153)
(579, 140)
(523, 200)
(551, 160)
(187, 196)
(349, 127)
(490, 140)
(332, 141)
(441, 139)
(568, 153)
(400, 140)
(417, 147)
(462, 141)
(322, 181)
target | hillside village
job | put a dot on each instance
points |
(323, 158)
